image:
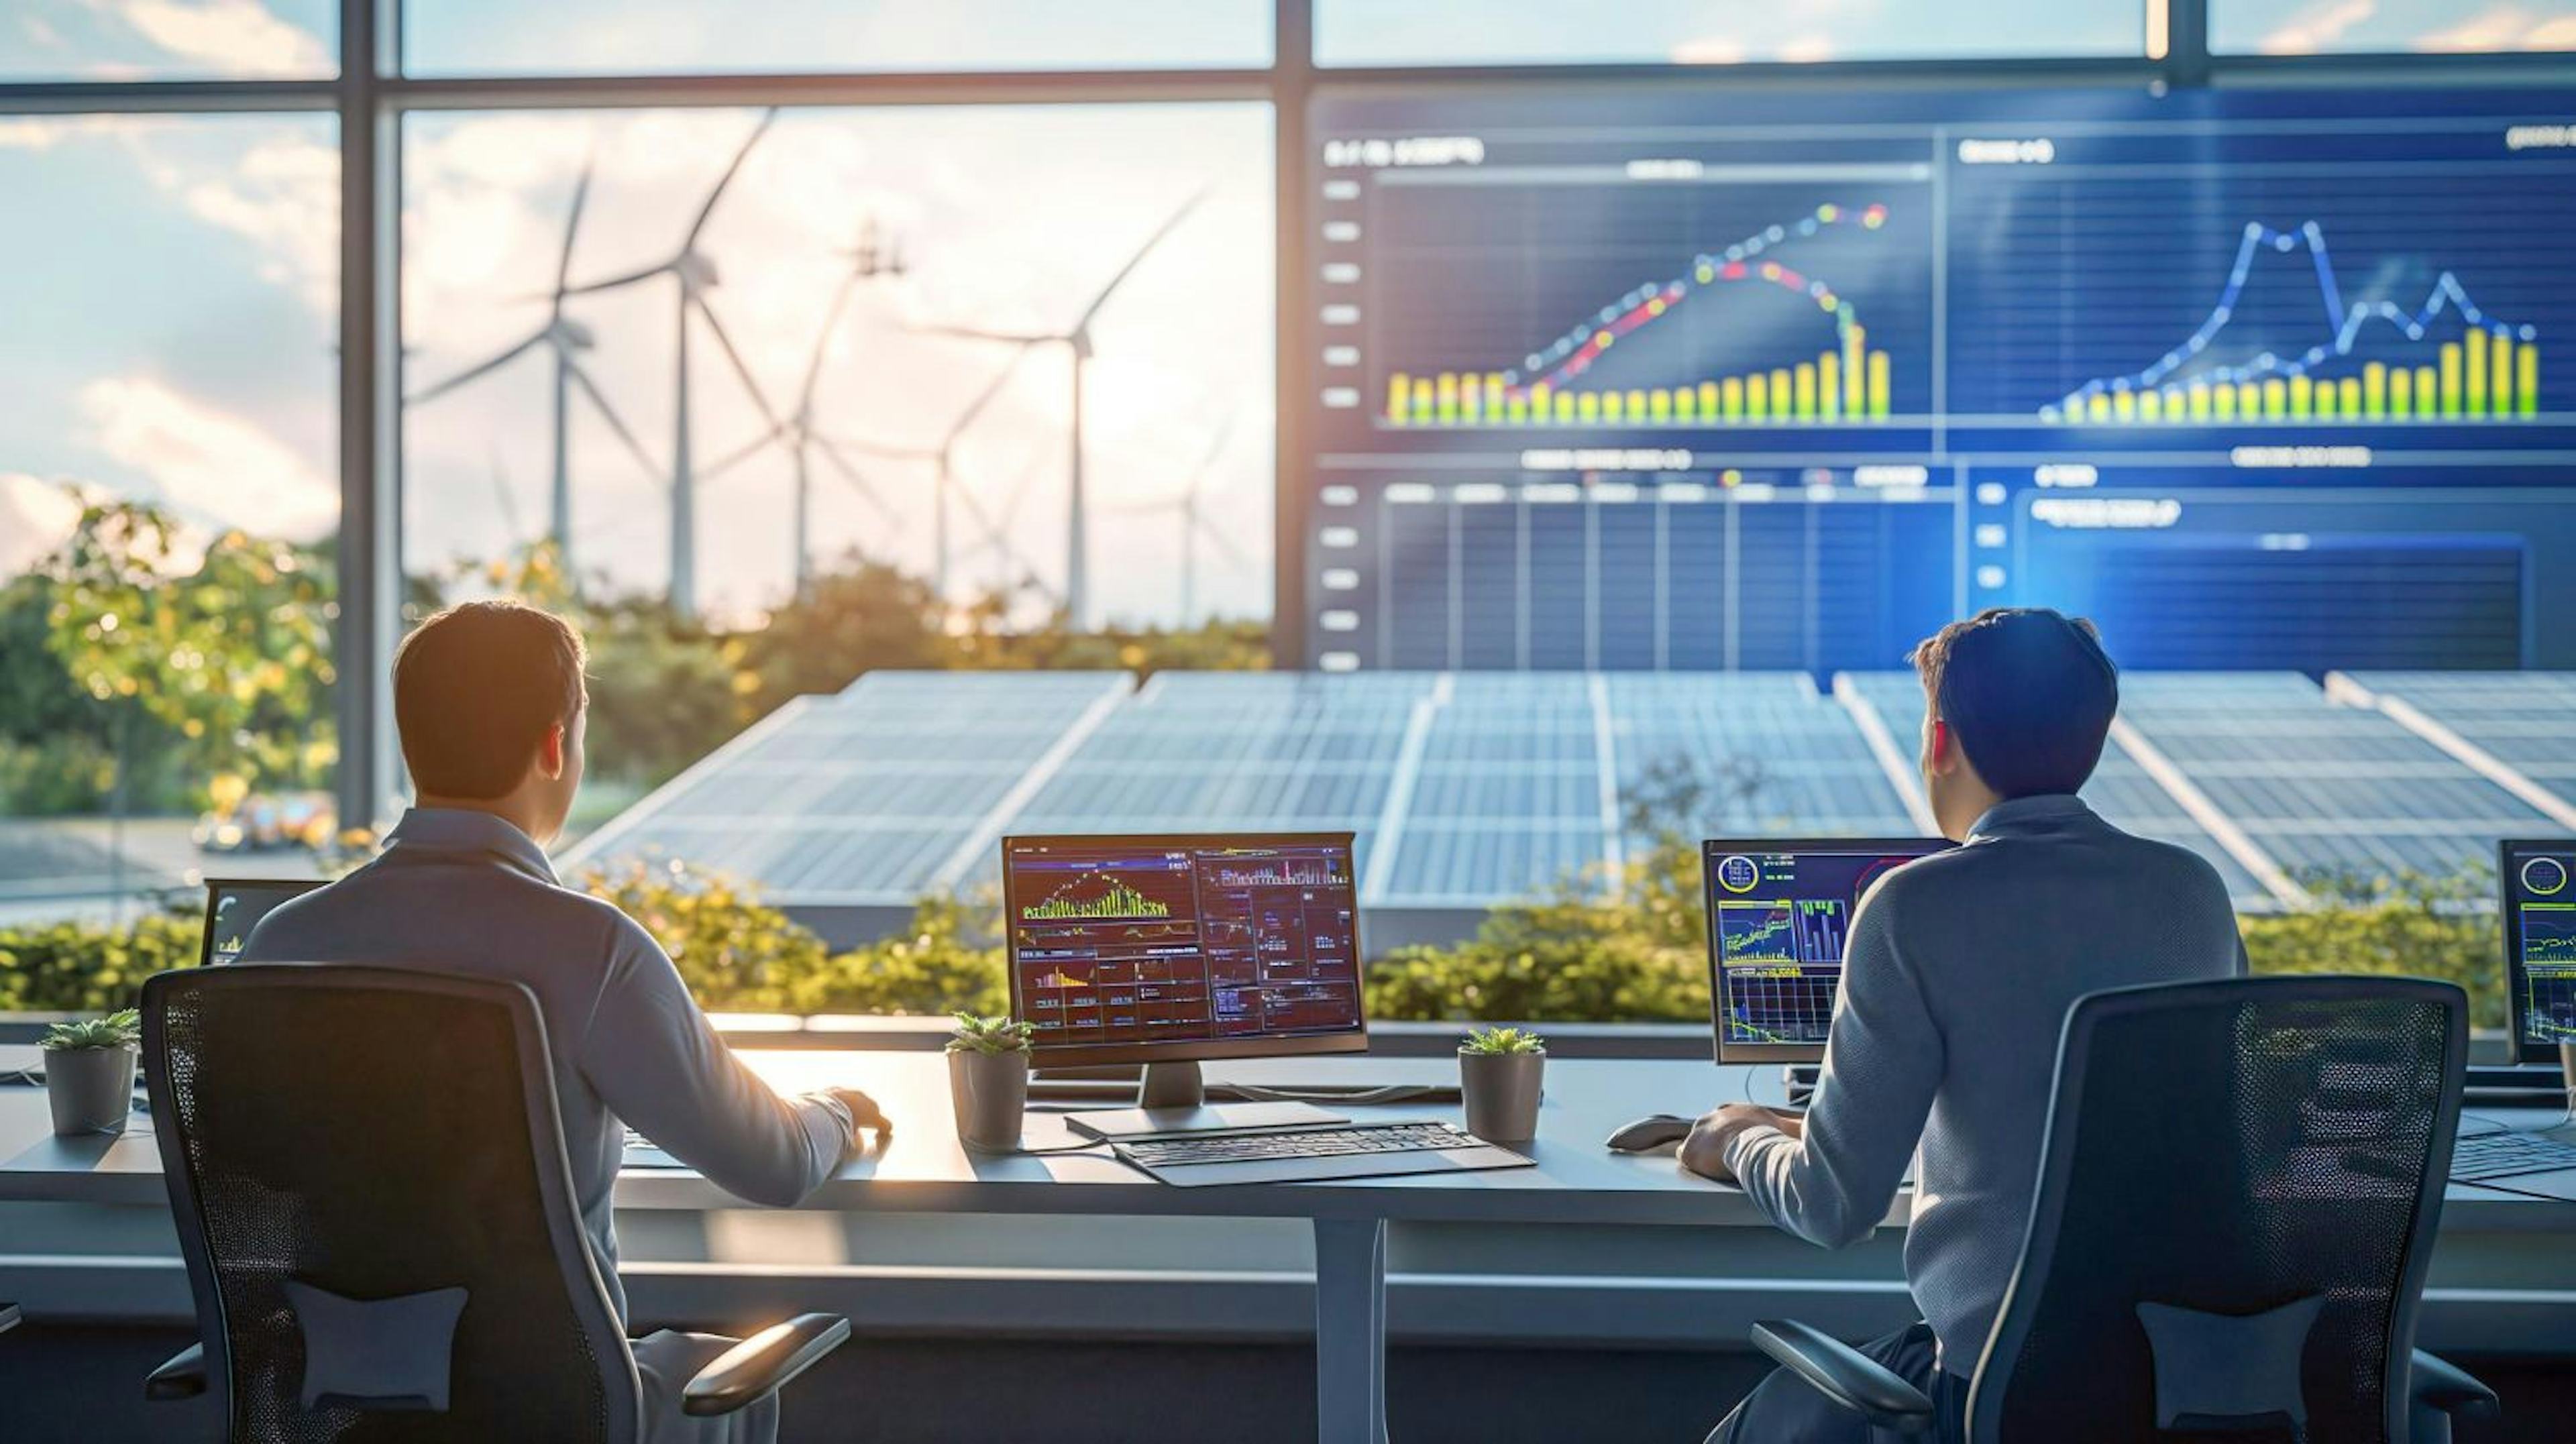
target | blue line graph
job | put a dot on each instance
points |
(2346, 322)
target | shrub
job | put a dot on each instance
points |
(2406, 926)
(81, 967)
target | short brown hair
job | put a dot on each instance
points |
(476, 689)
(2028, 692)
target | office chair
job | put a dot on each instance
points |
(2235, 1205)
(367, 1170)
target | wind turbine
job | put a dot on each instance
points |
(693, 274)
(566, 338)
(1076, 338)
(1195, 523)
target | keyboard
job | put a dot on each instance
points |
(1306, 1155)
(2479, 1157)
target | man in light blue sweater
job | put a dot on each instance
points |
(490, 701)
(1957, 978)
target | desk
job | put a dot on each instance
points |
(924, 1170)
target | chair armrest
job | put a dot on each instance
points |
(1846, 1376)
(184, 1377)
(8, 1317)
(2440, 1385)
(760, 1365)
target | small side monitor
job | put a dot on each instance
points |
(235, 905)
(1169, 948)
(1778, 911)
(2538, 879)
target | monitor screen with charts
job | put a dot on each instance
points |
(2539, 881)
(1777, 914)
(235, 905)
(1143, 949)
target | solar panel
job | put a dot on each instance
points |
(2524, 720)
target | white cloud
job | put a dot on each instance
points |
(207, 462)
(2504, 27)
(284, 195)
(228, 37)
(2317, 26)
(36, 515)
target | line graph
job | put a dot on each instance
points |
(2492, 371)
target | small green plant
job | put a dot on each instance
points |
(977, 1033)
(121, 1029)
(1487, 1041)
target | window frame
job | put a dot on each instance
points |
(371, 96)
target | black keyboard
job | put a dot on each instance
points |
(2478, 1158)
(1296, 1143)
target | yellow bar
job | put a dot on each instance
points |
(1757, 397)
(2276, 399)
(1494, 394)
(2196, 400)
(1542, 398)
(1659, 405)
(1732, 393)
(2328, 398)
(1516, 409)
(1877, 384)
(1613, 405)
(1588, 406)
(2124, 406)
(1424, 407)
(2299, 388)
(2177, 401)
(1829, 385)
(2450, 378)
(1471, 400)
(2151, 406)
(1399, 390)
(1780, 393)
(1855, 368)
(1708, 398)
(2374, 389)
(2097, 407)
(2222, 402)
(1448, 385)
(2473, 385)
(2401, 392)
(2500, 377)
(2348, 396)
(1564, 403)
(1804, 406)
(2249, 400)
(1686, 402)
(2526, 386)
(1636, 405)
(2428, 393)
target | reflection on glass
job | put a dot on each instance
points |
(655, 37)
(1691, 32)
(712, 352)
(2313, 27)
(168, 39)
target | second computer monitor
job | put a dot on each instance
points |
(1165, 948)
(1778, 911)
(234, 906)
(2539, 882)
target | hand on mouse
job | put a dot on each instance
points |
(864, 1112)
(1704, 1151)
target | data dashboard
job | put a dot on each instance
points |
(1677, 379)
(2540, 941)
(1779, 914)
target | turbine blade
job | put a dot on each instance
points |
(572, 226)
(481, 368)
(983, 398)
(1226, 544)
(858, 481)
(750, 383)
(740, 454)
(1170, 223)
(608, 413)
(767, 117)
(977, 333)
(877, 449)
(612, 283)
(823, 342)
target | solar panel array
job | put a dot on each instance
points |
(1470, 789)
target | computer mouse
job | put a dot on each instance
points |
(1650, 1132)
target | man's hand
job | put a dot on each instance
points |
(1704, 1151)
(864, 1112)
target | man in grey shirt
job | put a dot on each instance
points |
(1957, 977)
(491, 703)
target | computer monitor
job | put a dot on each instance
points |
(234, 905)
(1778, 910)
(1174, 948)
(2538, 879)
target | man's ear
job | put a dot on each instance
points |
(1945, 748)
(550, 753)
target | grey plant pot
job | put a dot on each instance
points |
(91, 1089)
(1502, 1093)
(989, 1092)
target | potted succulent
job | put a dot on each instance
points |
(1498, 1075)
(89, 1072)
(988, 1081)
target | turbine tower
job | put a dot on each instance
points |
(565, 338)
(693, 274)
(1195, 523)
(1076, 338)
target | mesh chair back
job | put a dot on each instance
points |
(377, 1133)
(2231, 1147)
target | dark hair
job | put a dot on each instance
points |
(2028, 692)
(476, 689)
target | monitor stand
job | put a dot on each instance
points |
(1171, 1102)
(1800, 1081)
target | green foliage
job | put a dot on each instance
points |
(79, 967)
(120, 1029)
(662, 693)
(1491, 1041)
(984, 1033)
(2407, 926)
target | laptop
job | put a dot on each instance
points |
(234, 906)
(2537, 883)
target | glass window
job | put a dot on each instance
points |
(171, 329)
(656, 37)
(168, 39)
(2313, 27)
(1693, 32)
